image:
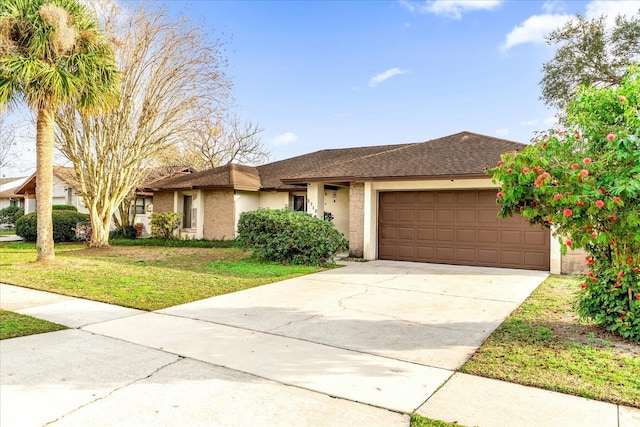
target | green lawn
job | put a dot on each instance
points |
(543, 344)
(420, 421)
(13, 325)
(143, 277)
(7, 232)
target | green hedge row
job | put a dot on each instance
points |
(64, 224)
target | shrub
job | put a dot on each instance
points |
(19, 214)
(584, 182)
(64, 208)
(64, 225)
(8, 215)
(289, 237)
(126, 232)
(164, 224)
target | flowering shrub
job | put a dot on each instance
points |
(164, 224)
(584, 183)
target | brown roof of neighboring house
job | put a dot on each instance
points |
(234, 176)
(66, 174)
(461, 154)
(10, 194)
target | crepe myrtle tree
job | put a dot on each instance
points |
(584, 183)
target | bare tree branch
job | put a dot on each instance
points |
(172, 80)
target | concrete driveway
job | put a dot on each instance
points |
(386, 334)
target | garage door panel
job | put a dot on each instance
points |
(457, 227)
(488, 236)
(511, 237)
(445, 235)
(405, 233)
(466, 236)
(445, 255)
(425, 234)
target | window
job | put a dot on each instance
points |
(299, 204)
(140, 205)
(188, 212)
(13, 203)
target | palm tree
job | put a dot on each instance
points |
(52, 53)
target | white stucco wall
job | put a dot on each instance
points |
(339, 207)
(274, 199)
(371, 190)
(244, 201)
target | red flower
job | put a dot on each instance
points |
(636, 269)
(584, 286)
(617, 284)
(586, 160)
(569, 243)
(567, 212)
(594, 235)
(500, 163)
(617, 199)
(612, 218)
(602, 191)
(621, 274)
(509, 170)
(600, 204)
(637, 296)
(557, 196)
(611, 136)
(622, 317)
(622, 98)
(630, 261)
(576, 134)
(536, 169)
(575, 166)
(499, 195)
(590, 261)
(584, 172)
(545, 175)
(537, 183)
(525, 170)
(580, 204)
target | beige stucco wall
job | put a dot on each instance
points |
(163, 202)
(339, 208)
(274, 199)
(219, 215)
(245, 201)
(574, 262)
(356, 219)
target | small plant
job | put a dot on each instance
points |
(163, 225)
(289, 237)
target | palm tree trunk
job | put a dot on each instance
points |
(44, 183)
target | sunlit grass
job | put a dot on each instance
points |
(13, 325)
(147, 278)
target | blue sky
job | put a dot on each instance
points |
(335, 74)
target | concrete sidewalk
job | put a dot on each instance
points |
(362, 345)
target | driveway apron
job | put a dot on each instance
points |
(384, 333)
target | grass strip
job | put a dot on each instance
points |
(544, 344)
(13, 325)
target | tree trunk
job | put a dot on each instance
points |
(99, 230)
(44, 183)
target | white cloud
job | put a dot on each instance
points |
(529, 122)
(285, 138)
(611, 9)
(534, 29)
(449, 8)
(502, 132)
(551, 121)
(379, 78)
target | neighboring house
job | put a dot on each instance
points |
(8, 186)
(66, 190)
(425, 202)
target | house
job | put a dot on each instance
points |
(8, 187)
(66, 190)
(428, 202)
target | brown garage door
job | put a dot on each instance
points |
(457, 227)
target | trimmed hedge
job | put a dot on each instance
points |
(64, 208)
(10, 214)
(64, 223)
(289, 237)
